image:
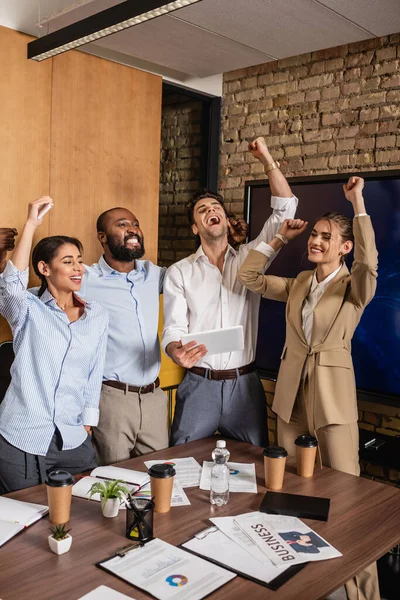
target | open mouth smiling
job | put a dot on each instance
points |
(213, 220)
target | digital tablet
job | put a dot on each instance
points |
(218, 341)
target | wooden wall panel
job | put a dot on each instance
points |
(25, 109)
(105, 147)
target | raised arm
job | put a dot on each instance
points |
(21, 254)
(251, 273)
(364, 270)
(14, 279)
(277, 181)
(7, 243)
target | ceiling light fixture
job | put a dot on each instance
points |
(109, 21)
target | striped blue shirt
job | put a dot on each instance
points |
(57, 371)
(132, 301)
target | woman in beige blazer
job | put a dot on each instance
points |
(315, 391)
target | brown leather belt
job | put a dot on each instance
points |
(221, 375)
(143, 389)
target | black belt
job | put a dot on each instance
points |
(143, 389)
(223, 374)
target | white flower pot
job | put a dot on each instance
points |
(110, 506)
(60, 546)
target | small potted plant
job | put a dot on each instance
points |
(111, 493)
(60, 541)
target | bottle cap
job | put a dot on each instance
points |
(221, 444)
(275, 452)
(59, 478)
(306, 441)
(161, 471)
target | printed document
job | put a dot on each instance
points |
(167, 572)
(187, 470)
(242, 477)
(285, 540)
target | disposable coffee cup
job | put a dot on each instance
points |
(306, 450)
(274, 466)
(59, 491)
(161, 483)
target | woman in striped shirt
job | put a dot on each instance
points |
(59, 345)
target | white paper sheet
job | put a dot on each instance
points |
(242, 477)
(169, 573)
(235, 533)
(285, 540)
(103, 592)
(188, 470)
(15, 515)
(217, 546)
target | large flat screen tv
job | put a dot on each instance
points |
(376, 343)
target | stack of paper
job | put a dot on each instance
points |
(242, 477)
(16, 515)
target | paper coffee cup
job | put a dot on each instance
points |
(59, 491)
(274, 466)
(306, 450)
(161, 483)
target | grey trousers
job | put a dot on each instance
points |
(19, 469)
(236, 407)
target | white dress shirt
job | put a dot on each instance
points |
(197, 297)
(311, 301)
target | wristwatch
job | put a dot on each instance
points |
(271, 166)
(282, 237)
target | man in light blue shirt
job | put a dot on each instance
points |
(133, 408)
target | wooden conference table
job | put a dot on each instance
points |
(364, 523)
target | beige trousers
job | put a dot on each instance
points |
(130, 424)
(339, 450)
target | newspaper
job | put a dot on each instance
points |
(285, 540)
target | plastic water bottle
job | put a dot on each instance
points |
(219, 488)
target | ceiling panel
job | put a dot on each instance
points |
(281, 29)
(379, 16)
(183, 47)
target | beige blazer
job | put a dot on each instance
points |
(330, 390)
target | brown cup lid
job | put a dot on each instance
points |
(306, 441)
(275, 452)
(59, 478)
(161, 471)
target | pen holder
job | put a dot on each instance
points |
(139, 520)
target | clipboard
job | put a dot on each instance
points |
(160, 566)
(274, 584)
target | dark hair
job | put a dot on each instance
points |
(46, 250)
(202, 196)
(345, 225)
(100, 223)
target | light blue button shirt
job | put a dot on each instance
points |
(132, 301)
(57, 371)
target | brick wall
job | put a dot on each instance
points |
(179, 175)
(331, 111)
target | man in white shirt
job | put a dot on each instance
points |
(201, 292)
